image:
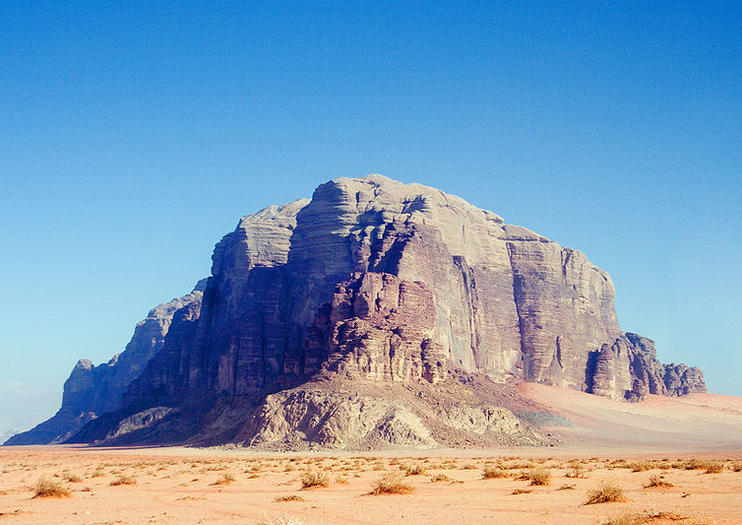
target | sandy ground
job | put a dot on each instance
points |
(183, 486)
(693, 443)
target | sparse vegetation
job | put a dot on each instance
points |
(225, 479)
(567, 486)
(123, 480)
(658, 481)
(440, 477)
(540, 476)
(521, 491)
(414, 470)
(47, 488)
(391, 485)
(493, 473)
(608, 492)
(292, 497)
(313, 480)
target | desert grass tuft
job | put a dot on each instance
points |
(521, 491)
(494, 473)
(123, 480)
(658, 481)
(414, 470)
(608, 492)
(292, 497)
(47, 488)
(539, 476)
(391, 484)
(313, 480)
(225, 479)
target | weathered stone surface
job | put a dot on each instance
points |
(629, 369)
(93, 390)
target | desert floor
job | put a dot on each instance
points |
(180, 485)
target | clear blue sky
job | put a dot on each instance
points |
(132, 138)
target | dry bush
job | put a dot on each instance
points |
(414, 470)
(640, 466)
(607, 492)
(72, 478)
(440, 477)
(737, 466)
(521, 491)
(313, 480)
(567, 486)
(540, 476)
(292, 497)
(576, 470)
(224, 479)
(646, 517)
(47, 488)
(123, 480)
(714, 467)
(657, 481)
(391, 485)
(493, 473)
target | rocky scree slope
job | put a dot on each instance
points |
(374, 282)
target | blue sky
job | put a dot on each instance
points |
(134, 137)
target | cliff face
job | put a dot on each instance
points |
(379, 281)
(94, 390)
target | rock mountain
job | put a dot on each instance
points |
(376, 314)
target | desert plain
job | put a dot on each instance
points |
(660, 461)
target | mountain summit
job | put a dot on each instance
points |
(376, 314)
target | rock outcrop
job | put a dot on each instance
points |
(629, 369)
(94, 390)
(376, 281)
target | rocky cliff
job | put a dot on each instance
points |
(94, 390)
(377, 282)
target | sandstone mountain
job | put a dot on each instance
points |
(380, 314)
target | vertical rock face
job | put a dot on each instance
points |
(93, 390)
(379, 328)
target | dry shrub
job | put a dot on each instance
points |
(440, 477)
(640, 466)
(391, 485)
(224, 479)
(73, 478)
(714, 467)
(521, 491)
(123, 480)
(646, 517)
(414, 470)
(608, 492)
(657, 481)
(540, 476)
(313, 480)
(494, 473)
(47, 488)
(576, 470)
(292, 497)
(567, 486)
